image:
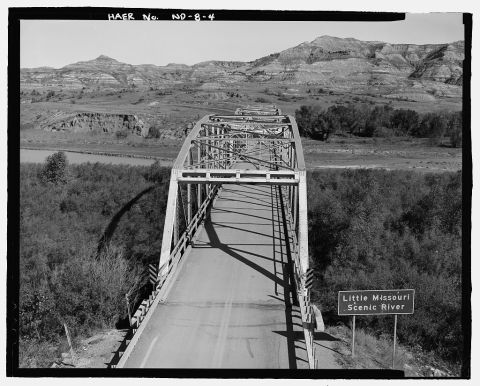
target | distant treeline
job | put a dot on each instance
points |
(379, 121)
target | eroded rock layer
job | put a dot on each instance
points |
(98, 122)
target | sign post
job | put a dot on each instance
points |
(394, 341)
(376, 302)
(353, 337)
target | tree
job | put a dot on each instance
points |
(351, 118)
(371, 126)
(305, 117)
(378, 119)
(316, 124)
(438, 128)
(321, 128)
(454, 129)
(54, 169)
(404, 120)
(432, 125)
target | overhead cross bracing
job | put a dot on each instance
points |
(258, 110)
(230, 169)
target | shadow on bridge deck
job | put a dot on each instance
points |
(231, 303)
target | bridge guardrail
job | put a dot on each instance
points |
(148, 305)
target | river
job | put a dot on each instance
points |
(39, 156)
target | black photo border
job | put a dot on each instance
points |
(15, 15)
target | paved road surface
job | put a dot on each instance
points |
(230, 305)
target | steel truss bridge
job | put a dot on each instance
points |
(231, 285)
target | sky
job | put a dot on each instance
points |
(56, 43)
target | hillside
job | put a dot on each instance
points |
(418, 72)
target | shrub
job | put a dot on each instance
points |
(392, 229)
(54, 169)
(382, 230)
(37, 313)
(121, 134)
(261, 100)
(35, 354)
(157, 173)
(60, 226)
(68, 205)
(90, 292)
(154, 132)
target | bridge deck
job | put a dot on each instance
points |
(230, 305)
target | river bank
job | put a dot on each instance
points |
(33, 155)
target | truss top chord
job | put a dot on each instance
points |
(269, 142)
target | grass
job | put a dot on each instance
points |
(39, 354)
(376, 353)
(383, 347)
(370, 352)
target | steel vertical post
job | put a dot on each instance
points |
(353, 337)
(176, 224)
(169, 223)
(394, 341)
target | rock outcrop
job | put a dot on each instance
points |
(98, 122)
